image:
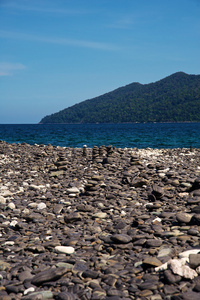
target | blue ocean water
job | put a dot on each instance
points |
(153, 135)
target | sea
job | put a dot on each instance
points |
(129, 135)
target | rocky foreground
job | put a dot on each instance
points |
(99, 223)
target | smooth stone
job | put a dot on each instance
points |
(145, 293)
(170, 290)
(73, 190)
(196, 193)
(100, 215)
(66, 296)
(91, 274)
(170, 277)
(196, 210)
(2, 200)
(74, 217)
(29, 290)
(165, 252)
(121, 238)
(39, 295)
(157, 191)
(25, 275)
(153, 243)
(99, 294)
(148, 285)
(64, 249)
(193, 231)
(11, 205)
(50, 274)
(194, 260)
(188, 296)
(114, 292)
(13, 223)
(183, 217)
(65, 265)
(152, 261)
(41, 206)
(191, 201)
(156, 297)
(4, 265)
(56, 173)
(196, 219)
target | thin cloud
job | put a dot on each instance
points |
(8, 69)
(60, 41)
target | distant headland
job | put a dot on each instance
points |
(175, 98)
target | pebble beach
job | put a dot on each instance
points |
(99, 223)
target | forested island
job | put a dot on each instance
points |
(175, 98)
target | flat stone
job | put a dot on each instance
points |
(170, 290)
(121, 238)
(4, 265)
(153, 243)
(152, 261)
(157, 191)
(170, 277)
(50, 274)
(39, 295)
(194, 260)
(91, 274)
(165, 252)
(190, 295)
(100, 215)
(196, 209)
(73, 190)
(71, 218)
(64, 249)
(41, 206)
(183, 217)
(66, 296)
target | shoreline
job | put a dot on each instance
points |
(99, 223)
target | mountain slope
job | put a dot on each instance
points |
(175, 98)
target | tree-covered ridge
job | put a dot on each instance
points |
(175, 98)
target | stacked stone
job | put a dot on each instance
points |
(95, 153)
(102, 150)
(109, 159)
(92, 186)
(134, 160)
(61, 162)
(84, 151)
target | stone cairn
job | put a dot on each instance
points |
(61, 162)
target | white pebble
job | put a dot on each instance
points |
(41, 205)
(157, 219)
(188, 252)
(9, 243)
(100, 215)
(73, 190)
(29, 290)
(32, 204)
(11, 205)
(13, 223)
(26, 211)
(64, 249)
(2, 200)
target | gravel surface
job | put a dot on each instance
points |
(101, 223)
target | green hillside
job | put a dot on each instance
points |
(175, 98)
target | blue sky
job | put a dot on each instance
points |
(54, 54)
